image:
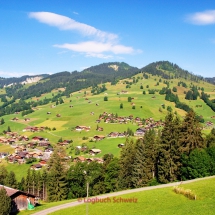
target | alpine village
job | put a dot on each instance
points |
(108, 128)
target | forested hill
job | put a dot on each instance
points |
(70, 81)
(211, 80)
(169, 70)
(15, 80)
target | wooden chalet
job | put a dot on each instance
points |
(36, 167)
(82, 128)
(79, 159)
(98, 137)
(18, 199)
(95, 151)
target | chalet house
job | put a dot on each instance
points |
(26, 119)
(23, 138)
(94, 151)
(32, 145)
(140, 131)
(18, 199)
(19, 149)
(82, 128)
(89, 160)
(48, 150)
(84, 148)
(79, 159)
(113, 134)
(44, 144)
(121, 145)
(99, 160)
(122, 134)
(63, 143)
(15, 119)
(3, 140)
(36, 167)
(99, 129)
(11, 134)
(98, 137)
(3, 155)
(37, 138)
(58, 115)
(48, 112)
(43, 162)
(34, 129)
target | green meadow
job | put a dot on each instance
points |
(77, 110)
(162, 201)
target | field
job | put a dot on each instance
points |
(155, 202)
(77, 110)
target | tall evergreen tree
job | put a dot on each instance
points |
(5, 202)
(168, 157)
(150, 153)
(111, 175)
(57, 184)
(3, 174)
(190, 134)
(137, 170)
(126, 162)
(10, 180)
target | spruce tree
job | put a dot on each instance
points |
(126, 162)
(3, 174)
(10, 180)
(5, 202)
(190, 134)
(137, 170)
(168, 158)
(57, 184)
(150, 154)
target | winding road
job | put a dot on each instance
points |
(81, 201)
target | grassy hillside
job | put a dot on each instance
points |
(153, 202)
(77, 110)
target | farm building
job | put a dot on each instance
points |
(19, 199)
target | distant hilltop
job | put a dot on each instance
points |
(26, 79)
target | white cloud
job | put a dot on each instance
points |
(101, 46)
(202, 18)
(66, 23)
(97, 47)
(76, 13)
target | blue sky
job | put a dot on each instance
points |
(50, 36)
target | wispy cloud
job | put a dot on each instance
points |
(103, 45)
(66, 23)
(76, 13)
(202, 18)
(97, 47)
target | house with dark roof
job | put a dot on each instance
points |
(19, 199)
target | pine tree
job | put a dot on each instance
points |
(2, 121)
(5, 202)
(126, 162)
(10, 180)
(168, 159)
(44, 181)
(28, 182)
(190, 134)
(150, 154)
(57, 184)
(3, 174)
(137, 170)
